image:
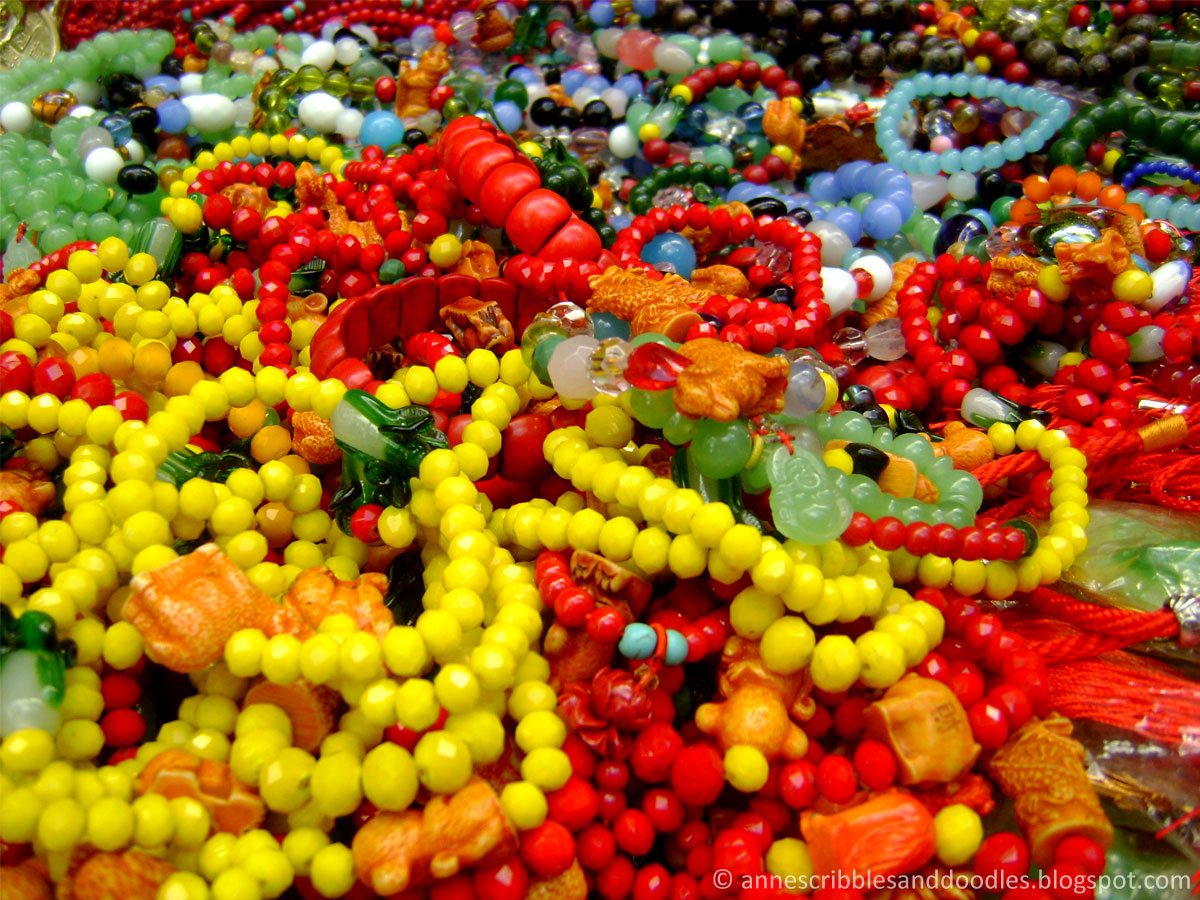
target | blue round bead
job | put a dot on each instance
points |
(645, 8)
(601, 12)
(847, 176)
(381, 128)
(638, 641)
(677, 648)
(508, 115)
(173, 116)
(881, 219)
(673, 249)
(824, 187)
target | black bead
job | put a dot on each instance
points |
(808, 71)
(742, 155)
(989, 185)
(1140, 45)
(144, 121)
(1122, 59)
(596, 114)
(122, 90)
(137, 179)
(1096, 69)
(552, 74)
(936, 61)
(767, 206)
(725, 13)
(568, 117)
(904, 54)
(544, 111)
(1022, 35)
(870, 60)
(867, 460)
(198, 29)
(857, 395)
(956, 57)
(1064, 69)
(838, 63)
(812, 25)
(1145, 25)
(684, 18)
(779, 293)
(172, 66)
(1038, 53)
(199, 147)
(800, 214)
(414, 137)
(841, 18)
(390, 59)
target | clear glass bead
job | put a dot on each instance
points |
(608, 365)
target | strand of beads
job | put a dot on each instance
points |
(1053, 112)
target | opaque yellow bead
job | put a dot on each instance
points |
(959, 832)
(835, 663)
(746, 768)
(787, 645)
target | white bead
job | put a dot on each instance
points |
(962, 185)
(929, 189)
(570, 368)
(320, 110)
(137, 154)
(85, 92)
(615, 100)
(210, 112)
(82, 111)
(191, 84)
(838, 288)
(320, 54)
(1170, 281)
(349, 123)
(622, 143)
(16, 117)
(581, 97)
(672, 58)
(347, 51)
(366, 33)
(263, 64)
(606, 41)
(103, 164)
(880, 272)
(244, 107)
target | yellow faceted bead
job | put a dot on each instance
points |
(787, 645)
(836, 663)
(1003, 438)
(1050, 283)
(883, 659)
(753, 611)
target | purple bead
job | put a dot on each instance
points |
(992, 110)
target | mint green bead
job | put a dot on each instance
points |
(851, 426)
(652, 408)
(724, 47)
(94, 197)
(859, 201)
(916, 448)
(679, 429)
(55, 238)
(718, 155)
(120, 199)
(79, 221)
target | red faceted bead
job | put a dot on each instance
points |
(655, 367)
(836, 779)
(988, 724)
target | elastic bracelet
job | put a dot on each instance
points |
(1052, 113)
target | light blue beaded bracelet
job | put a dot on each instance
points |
(1052, 113)
(1178, 210)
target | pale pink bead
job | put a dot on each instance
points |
(941, 144)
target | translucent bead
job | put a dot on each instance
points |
(463, 25)
(966, 118)
(572, 318)
(607, 365)
(852, 343)
(885, 340)
(570, 367)
(805, 393)
(773, 257)
(91, 139)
